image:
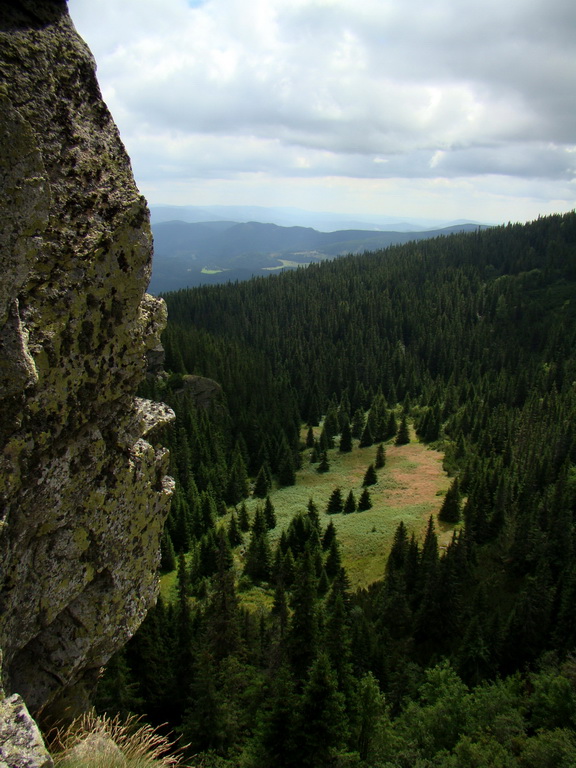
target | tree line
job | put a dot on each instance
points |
(471, 338)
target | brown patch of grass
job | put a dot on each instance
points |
(410, 488)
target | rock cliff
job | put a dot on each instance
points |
(83, 486)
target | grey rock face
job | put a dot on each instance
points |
(83, 486)
(21, 744)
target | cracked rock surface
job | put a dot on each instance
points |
(83, 486)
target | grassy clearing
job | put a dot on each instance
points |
(410, 487)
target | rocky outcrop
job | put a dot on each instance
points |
(83, 486)
(21, 743)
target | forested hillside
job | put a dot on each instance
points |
(190, 254)
(455, 657)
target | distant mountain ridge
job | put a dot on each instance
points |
(289, 217)
(215, 251)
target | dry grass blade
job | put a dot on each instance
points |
(100, 741)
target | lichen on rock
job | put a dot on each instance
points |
(21, 743)
(83, 486)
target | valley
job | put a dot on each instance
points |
(187, 254)
(455, 583)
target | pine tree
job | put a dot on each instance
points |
(243, 519)
(350, 504)
(258, 564)
(116, 692)
(335, 504)
(403, 436)
(430, 623)
(333, 560)
(286, 469)
(234, 536)
(324, 465)
(313, 514)
(259, 522)
(392, 427)
(222, 613)
(310, 440)
(323, 724)
(203, 724)
(370, 477)
(366, 440)
(277, 735)
(324, 442)
(329, 536)
(364, 502)
(280, 607)
(450, 509)
(237, 487)
(303, 632)
(269, 514)
(184, 630)
(262, 482)
(167, 553)
(345, 439)
(371, 712)
(357, 426)
(288, 568)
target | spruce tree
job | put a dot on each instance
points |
(286, 469)
(167, 553)
(258, 563)
(333, 560)
(403, 436)
(326, 440)
(323, 583)
(234, 535)
(357, 425)
(243, 519)
(313, 514)
(364, 502)
(335, 503)
(366, 440)
(345, 439)
(237, 486)
(303, 632)
(323, 726)
(259, 523)
(324, 465)
(262, 482)
(450, 509)
(329, 536)
(350, 504)
(392, 427)
(277, 734)
(288, 568)
(269, 514)
(370, 477)
(310, 438)
(380, 457)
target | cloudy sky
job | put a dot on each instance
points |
(441, 109)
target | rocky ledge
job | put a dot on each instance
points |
(83, 486)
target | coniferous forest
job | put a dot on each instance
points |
(456, 657)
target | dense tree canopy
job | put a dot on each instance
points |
(459, 657)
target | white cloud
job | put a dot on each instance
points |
(358, 90)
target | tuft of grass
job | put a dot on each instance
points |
(100, 741)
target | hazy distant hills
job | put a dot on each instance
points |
(214, 251)
(295, 217)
